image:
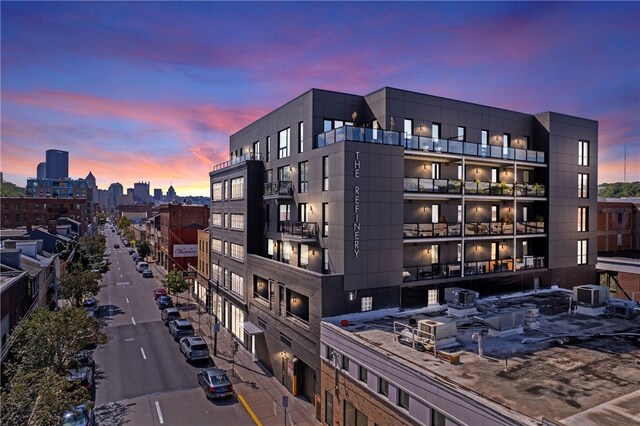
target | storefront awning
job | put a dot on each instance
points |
(251, 328)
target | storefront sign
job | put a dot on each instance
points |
(185, 250)
(356, 206)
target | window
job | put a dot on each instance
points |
(256, 150)
(408, 129)
(484, 140)
(300, 136)
(268, 149)
(506, 140)
(216, 272)
(216, 245)
(304, 255)
(284, 137)
(286, 252)
(383, 387)
(583, 219)
(459, 213)
(225, 220)
(525, 214)
(237, 221)
(582, 252)
(525, 248)
(366, 304)
(362, 373)
(284, 211)
(328, 125)
(225, 247)
(302, 212)
(270, 245)
(437, 418)
(237, 187)
(403, 399)
(267, 217)
(216, 220)
(435, 130)
(583, 185)
(494, 213)
(328, 408)
(325, 173)
(494, 251)
(345, 363)
(459, 172)
(237, 284)
(216, 191)
(459, 253)
(462, 133)
(353, 417)
(284, 174)
(325, 219)
(325, 260)
(435, 254)
(303, 176)
(237, 252)
(495, 172)
(435, 171)
(526, 176)
(225, 190)
(435, 213)
(583, 153)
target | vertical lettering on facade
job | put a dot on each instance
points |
(356, 206)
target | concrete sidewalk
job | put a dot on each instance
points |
(257, 389)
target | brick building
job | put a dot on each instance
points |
(17, 211)
(618, 225)
(178, 242)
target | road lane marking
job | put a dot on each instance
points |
(143, 355)
(129, 339)
(127, 299)
(133, 320)
(159, 412)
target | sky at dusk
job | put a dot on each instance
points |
(144, 91)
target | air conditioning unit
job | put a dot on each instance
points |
(591, 295)
(627, 309)
(456, 296)
(440, 330)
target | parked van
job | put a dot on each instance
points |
(141, 266)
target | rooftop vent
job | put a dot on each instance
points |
(460, 297)
(504, 323)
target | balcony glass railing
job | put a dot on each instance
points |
(503, 265)
(237, 160)
(501, 188)
(281, 187)
(426, 230)
(488, 228)
(307, 230)
(430, 272)
(423, 143)
(440, 186)
(530, 228)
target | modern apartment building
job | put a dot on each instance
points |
(337, 203)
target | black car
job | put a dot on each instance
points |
(215, 383)
(83, 376)
(164, 302)
(147, 273)
(116, 246)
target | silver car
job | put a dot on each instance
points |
(194, 348)
(180, 328)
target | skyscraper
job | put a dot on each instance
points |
(57, 165)
(42, 170)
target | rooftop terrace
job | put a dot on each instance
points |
(572, 369)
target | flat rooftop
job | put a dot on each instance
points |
(573, 369)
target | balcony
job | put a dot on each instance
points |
(504, 189)
(431, 272)
(279, 190)
(237, 160)
(303, 232)
(358, 134)
(488, 228)
(428, 230)
(433, 186)
(453, 270)
(530, 228)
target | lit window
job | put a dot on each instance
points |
(325, 173)
(237, 252)
(237, 284)
(270, 245)
(284, 137)
(408, 129)
(300, 136)
(237, 187)
(303, 176)
(216, 220)
(216, 245)
(583, 219)
(583, 185)
(325, 219)
(325, 261)
(286, 252)
(583, 153)
(435, 213)
(435, 171)
(237, 221)
(582, 252)
(256, 150)
(462, 133)
(304, 255)
(366, 304)
(216, 191)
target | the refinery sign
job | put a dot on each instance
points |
(356, 205)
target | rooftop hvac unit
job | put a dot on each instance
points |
(440, 330)
(460, 297)
(504, 321)
(626, 309)
(591, 295)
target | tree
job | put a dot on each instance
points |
(95, 245)
(39, 398)
(101, 218)
(175, 282)
(124, 222)
(143, 248)
(51, 339)
(79, 283)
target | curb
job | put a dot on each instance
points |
(249, 410)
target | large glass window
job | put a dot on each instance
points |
(462, 133)
(237, 284)
(286, 252)
(216, 272)
(583, 153)
(284, 214)
(325, 219)
(284, 138)
(435, 130)
(256, 150)
(583, 185)
(325, 173)
(484, 139)
(303, 176)
(216, 220)
(582, 252)
(216, 245)
(302, 212)
(583, 219)
(237, 187)
(304, 255)
(284, 174)
(237, 221)
(408, 129)
(216, 191)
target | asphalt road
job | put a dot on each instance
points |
(142, 377)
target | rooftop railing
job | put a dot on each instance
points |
(237, 160)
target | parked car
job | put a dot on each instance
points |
(180, 328)
(164, 302)
(169, 314)
(84, 358)
(91, 304)
(159, 291)
(194, 348)
(141, 266)
(215, 383)
(147, 273)
(82, 415)
(131, 251)
(116, 246)
(136, 257)
(84, 376)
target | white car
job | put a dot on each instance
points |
(193, 348)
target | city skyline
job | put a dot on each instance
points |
(166, 84)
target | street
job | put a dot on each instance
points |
(142, 377)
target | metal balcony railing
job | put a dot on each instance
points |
(530, 228)
(440, 186)
(304, 230)
(488, 228)
(281, 187)
(426, 230)
(237, 160)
